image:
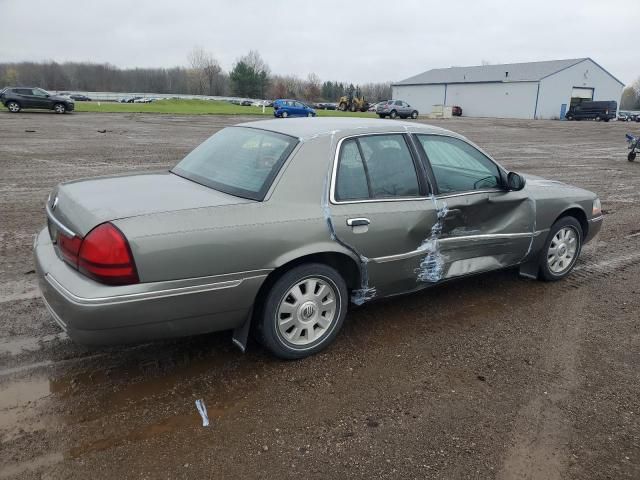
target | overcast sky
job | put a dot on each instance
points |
(350, 40)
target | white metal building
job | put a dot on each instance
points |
(515, 90)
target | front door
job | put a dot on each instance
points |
(380, 208)
(483, 226)
(41, 98)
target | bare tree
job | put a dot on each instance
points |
(312, 87)
(205, 72)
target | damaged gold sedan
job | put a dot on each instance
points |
(278, 226)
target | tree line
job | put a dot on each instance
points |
(250, 77)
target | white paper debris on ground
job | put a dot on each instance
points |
(203, 412)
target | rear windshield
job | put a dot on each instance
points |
(238, 161)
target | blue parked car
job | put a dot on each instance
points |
(292, 108)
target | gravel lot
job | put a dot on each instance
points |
(488, 377)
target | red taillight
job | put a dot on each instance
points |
(103, 255)
(69, 248)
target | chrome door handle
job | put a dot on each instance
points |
(358, 222)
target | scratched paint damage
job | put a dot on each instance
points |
(431, 268)
(365, 293)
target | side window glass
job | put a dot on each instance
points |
(457, 166)
(351, 180)
(389, 166)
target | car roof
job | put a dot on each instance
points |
(306, 128)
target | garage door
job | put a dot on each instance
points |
(579, 95)
(584, 93)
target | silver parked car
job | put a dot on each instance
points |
(395, 109)
(279, 226)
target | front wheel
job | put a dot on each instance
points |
(310, 114)
(632, 156)
(598, 118)
(414, 114)
(561, 250)
(285, 114)
(393, 114)
(14, 107)
(59, 108)
(303, 311)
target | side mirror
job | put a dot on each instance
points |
(515, 182)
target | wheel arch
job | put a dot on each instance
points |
(343, 263)
(579, 214)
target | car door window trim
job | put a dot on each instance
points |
(422, 184)
(502, 171)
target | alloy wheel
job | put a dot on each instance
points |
(562, 250)
(307, 311)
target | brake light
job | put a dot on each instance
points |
(105, 256)
(69, 248)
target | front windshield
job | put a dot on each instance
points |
(239, 161)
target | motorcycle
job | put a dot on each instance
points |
(634, 144)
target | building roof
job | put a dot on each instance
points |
(508, 72)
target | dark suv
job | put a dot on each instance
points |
(593, 111)
(17, 98)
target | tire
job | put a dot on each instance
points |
(598, 118)
(59, 108)
(285, 114)
(342, 107)
(284, 327)
(414, 114)
(310, 114)
(569, 117)
(565, 236)
(393, 114)
(14, 107)
(632, 156)
(381, 116)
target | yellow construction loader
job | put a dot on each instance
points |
(353, 103)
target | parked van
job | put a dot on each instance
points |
(593, 111)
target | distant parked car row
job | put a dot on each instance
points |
(628, 117)
(75, 96)
(138, 99)
(18, 98)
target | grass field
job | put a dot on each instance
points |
(194, 107)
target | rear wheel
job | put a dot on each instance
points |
(569, 117)
(598, 118)
(14, 107)
(303, 311)
(59, 108)
(381, 116)
(632, 156)
(393, 114)
(310, 114)
(561, 250)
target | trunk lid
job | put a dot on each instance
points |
(81, 205)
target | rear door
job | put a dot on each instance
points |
(485, 226)
(381, 209)
(25, 97)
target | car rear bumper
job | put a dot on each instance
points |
(96, 314)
